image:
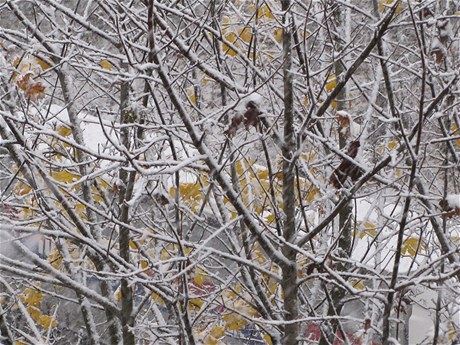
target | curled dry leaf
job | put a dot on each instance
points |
(450, 210)
(346, 168)
(33, 89)
(248, 119)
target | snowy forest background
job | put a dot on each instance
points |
(229, 172)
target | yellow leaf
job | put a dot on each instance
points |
(267, 338)
(16, 61)
(105, 64)
(245, 34)
(199, 277)
(386, 4)
(264, 11)
(393, 144)
(270, 218)
(42, 64)
(31, 297)
(312, 194)
(231, 37)
(210, 340)
(144, 264)
(234, 322)
(132, 245)
(157, 298)
(47, 321)
(55, 259)
(195, 303)
(331, 82)
(191, 95)
(411, 245)
(80, 208)
(278, 34)
(21, 188)
(218, 332)
(456, 132)
(358, 284)
(305, 99)
(63, 131)
(65, 176)
(225, 20)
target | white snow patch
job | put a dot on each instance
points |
(254, 97)
(453, 200)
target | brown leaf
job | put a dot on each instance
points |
(344, 121)
(367, 324)
(237, 120)
(35, 91)
(450, 211)
(24, 83)
(438, 55)
(346, 168)
(251, 116)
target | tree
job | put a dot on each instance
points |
(227, 172)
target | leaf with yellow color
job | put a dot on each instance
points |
(305, 99)
(383, 5)
(47, 321)
(16, 61)
(105, 64)
(191, 95)
(63, 130)
(234, 322)
(245, 34)
(200, 276)
(218, 332)
(392, 144)
(311, 196)
(144, 264)
(278, 34)
(265, 12)
(268, 339)
(156, 298)
(55, 259)
(331, 82)
(195, 303)
(65, 176)
(412, 245)
(31, 297)
(358, 284)
(455, 132)
(80, 208)
(270, 218)
(370, 229)
(230, 37)
(35, 91)
(19, 342)
(21, 188)
(44, 66)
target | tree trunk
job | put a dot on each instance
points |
(289, 269)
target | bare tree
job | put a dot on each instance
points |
(227, 172)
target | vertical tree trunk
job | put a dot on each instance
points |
(345, 215)
(289, 269)
(126, 189)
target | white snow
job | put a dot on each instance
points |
(453, 200)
